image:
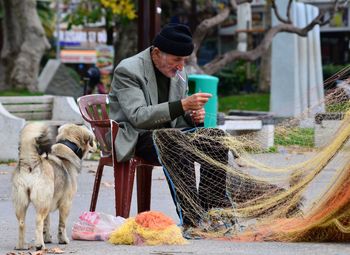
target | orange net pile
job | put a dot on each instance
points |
(148, 228)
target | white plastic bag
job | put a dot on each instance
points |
(95, 226)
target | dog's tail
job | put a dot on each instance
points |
(35, 140)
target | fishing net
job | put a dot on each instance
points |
(234, 187)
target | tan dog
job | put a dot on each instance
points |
(48, 181)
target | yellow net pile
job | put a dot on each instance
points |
(294, 191)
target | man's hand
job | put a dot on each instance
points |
(195, 102)
(198, 116)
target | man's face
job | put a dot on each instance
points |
(168, 64)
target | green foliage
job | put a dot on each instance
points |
(1, 12)
(249, 102)
(330, 70)
(272, 149)
(85, 14)
(233, 78)
(47, 17)
(93, 11)
(342, 104)
(303, 137)
(338, 107)
(19, 92)
(8, 162)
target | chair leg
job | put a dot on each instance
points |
(144, 183)
(96, 188)
(124, 174)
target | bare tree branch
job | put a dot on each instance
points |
(289, 10)
(314, 22)
(335, 8)
(285, 26)
(200, 33)
(244, 1)
(218, 63)
(278, 16)
(234, 4)
(203, 28)
(206, 25)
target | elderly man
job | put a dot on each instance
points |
(148, 94)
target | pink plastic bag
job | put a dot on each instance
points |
(95, 226)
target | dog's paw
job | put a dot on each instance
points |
(47, 238)
(39, 247)
(22, 247)
(63, 239)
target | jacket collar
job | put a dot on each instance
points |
(151, 80)
(150, 75)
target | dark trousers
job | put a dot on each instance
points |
(178, 152)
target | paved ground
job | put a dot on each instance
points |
(161, 201)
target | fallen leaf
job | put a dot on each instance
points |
(55, 250)
(3, 172)
(42, 252)
(92, 171)
(108, 184)
(11, 253)
(12, 164)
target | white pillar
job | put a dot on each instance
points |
(284, 73)
(296, 76)
(244, 22)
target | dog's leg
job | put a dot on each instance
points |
(62, 234)
(21, 210)
(46, 233)
(40, 217)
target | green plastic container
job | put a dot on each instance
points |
(208, 84)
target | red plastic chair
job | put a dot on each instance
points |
(94, 110)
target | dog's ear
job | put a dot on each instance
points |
(59, 130)
(89, 138)
(91, 141)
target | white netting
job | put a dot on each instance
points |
(246, 191)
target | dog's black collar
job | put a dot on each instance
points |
(73, 147)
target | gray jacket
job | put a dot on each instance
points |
(134, 101)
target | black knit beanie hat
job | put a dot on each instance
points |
(175, 39)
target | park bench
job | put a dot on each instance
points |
(16, 111)
(259, 125)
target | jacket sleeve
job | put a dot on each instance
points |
(132, 94)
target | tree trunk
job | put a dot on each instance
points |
(126, 43)
(265, 66)
(3, 85)
(265, 72)
(24, 44)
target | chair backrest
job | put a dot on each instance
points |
(94, 109)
